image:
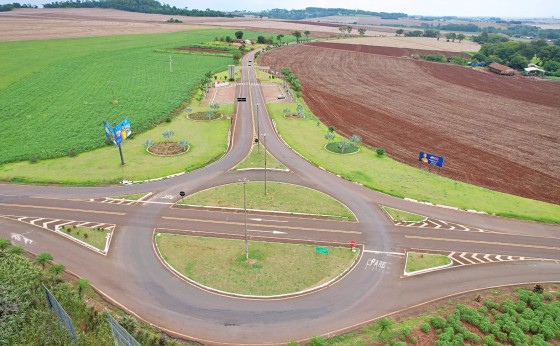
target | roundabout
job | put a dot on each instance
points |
(493, 251)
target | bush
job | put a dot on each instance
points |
(34, 159)
(438, 322)
(548, 296)
(425, 328)
(317, 341)
(434, 57)
(538, 289)
(72, 152)
(380, 151)
(413, 340)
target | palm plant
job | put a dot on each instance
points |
(342, 145)
(43, 258)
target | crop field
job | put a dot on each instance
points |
(421, 43)
(496, 132)
(56, 93)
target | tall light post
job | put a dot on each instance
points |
(258, 131)
(264, 145)
(244, 181)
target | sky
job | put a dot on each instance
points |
(465, 8)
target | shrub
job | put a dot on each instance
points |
(438, 322)
(538, 289)
(435, 57)
(317, 341)
(72, 152)
(548, 296)
(380, 151)
(413, 340)
(425, 328)
(34, 159)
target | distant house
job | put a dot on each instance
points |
(501, 69)
(533, 70)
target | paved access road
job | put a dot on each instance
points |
(488, 251)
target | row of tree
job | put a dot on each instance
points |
(9, 7)
(348, 29)
(315, 12)
(144, 6)
(519, 54)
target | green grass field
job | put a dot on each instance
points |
(255, 159)
(419, 261)
(131, 197)
(386, 175)
(279, 197)
(403, 216)
(55, 93)
(207, 140)
(273, 268)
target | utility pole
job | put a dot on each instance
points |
(258, 128)
(244, 181)
(264, 145)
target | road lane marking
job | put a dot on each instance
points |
(62, 209)
(484, 242)
(260, 225)
(273, 232)
(384, 252)
(266, 220)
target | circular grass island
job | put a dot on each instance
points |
(272, 268)
(168, 148)
(339, 148)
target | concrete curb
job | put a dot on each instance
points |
(424, 271)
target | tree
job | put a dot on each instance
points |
(460, 37)
(342, 145)
(239, 34)
(297, 35)
(168, 134)
(228, 39)
(260, 39)
(380, 151)
(362, 31)
(384, 325)
(56, 269)
(356, 139)
(342, 29)
(519, 62)
(349, 29)
(300, 111)
(81, 286)
(451, 36)
(399, 32)
(43, 258)
(279, 38)
(307, 33)
(329, 136)
(4, 243)
(331, 129)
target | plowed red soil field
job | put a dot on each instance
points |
(494, 131)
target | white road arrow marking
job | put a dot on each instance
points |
(486, 258)
(465, 258)
(259, 220)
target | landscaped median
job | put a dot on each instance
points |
(255, 160)
(398, 215)
(419, 263)
(95, 238)
(272, 268)
(280, 197)
(381, 173)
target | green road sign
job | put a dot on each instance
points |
(322, 250)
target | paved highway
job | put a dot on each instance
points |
(488, 251)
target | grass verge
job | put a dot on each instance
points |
(96, 237)
(280, 197)
(383, 174)
(420, 261)
(272, 269)
(403, 216)
(131, 197)
(256, 160)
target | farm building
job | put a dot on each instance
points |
(534, 70)
(501, 69)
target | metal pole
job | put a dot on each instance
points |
(245, 207)
(120, 152)
(265, 191)
(258, 131)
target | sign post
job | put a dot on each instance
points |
(117, 134)
(352, 245)
(182, 194)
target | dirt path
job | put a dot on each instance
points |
(494, 131)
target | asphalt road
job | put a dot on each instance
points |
(132, 276)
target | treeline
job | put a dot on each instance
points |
(143, 6)
(315, 12)
(9, 7)
(526, 30)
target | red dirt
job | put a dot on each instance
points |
(166, 149)
(494, 131)
(388, 51)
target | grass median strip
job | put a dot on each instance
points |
(280, 197)
(131, 197)
(403, 216)
(96, 237)
(420, 261)
(272, 269)
(381, 173)
(256, 160)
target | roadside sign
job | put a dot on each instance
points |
(322, 250)
(182, 193)
(430, 159)
(352, 243)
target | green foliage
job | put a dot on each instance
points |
(239, 35)
(434, 57)
(292, 79)
(167, 134)
(425, 328)
(380, 151)
(69, 83)
(317, 341)
(438, 322)
(385, 325)
(43, 258)
(4, 244)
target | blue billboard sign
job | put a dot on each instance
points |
(118, 134)
(122, 131)
(109, 132)
(430, 159)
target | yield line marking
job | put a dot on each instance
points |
(384, 252)
(58, 208)
(260, 225)
(485, 242)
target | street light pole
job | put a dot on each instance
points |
(264, 145)
(244, 181)
(258, 131)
